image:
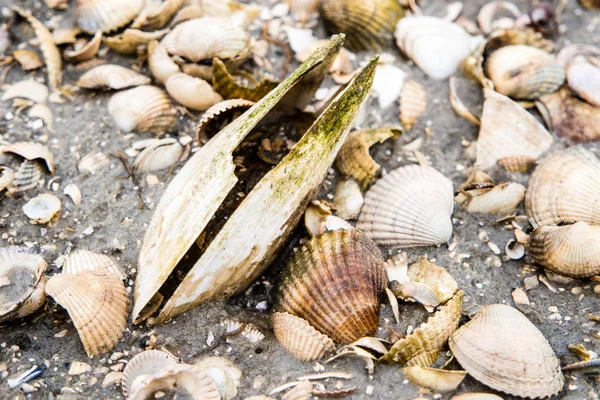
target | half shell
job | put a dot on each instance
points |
(180, 377)
(132, 41)
(85, 52)
(43, 209)
(348, 199)
(111, 76)
(191, 92)
(161, 154)
(480, 195)
(29, 175)
(436, 380)
(32, 151)
(413, 103)
(27, 89)
(156, 14)
(85, 260)
(584, 79)
(106, 15)
(148, 362)
(299, 338)
(159, 62)
(502, 349)
(220, 115)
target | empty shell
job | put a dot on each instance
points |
(502, 349)
(229, 88)
(27, 89)
(191, 92)
(433, 276)
(299, 338)
(436, 380)
(7, 176)
(42, 209)
(32, 151)
(584, 79)
(132, 40)
(413, 103)
(28, 59)
(480, 195)
(159, 62)
(29, 175)
(517, 163)
(85, 260)
(148, 362)
(411, 206)
(85, 52)
(106, 15)
(219, 115)
(161, 154)
(181, 377)
(110, 76)
(92, 163)
(348, 199)
(224, 373)
(156, 14)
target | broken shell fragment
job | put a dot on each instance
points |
(44, 113)
(436, 380)
(220, 115)
(27, 89)
(433, 276)
(517, 163)
(226, 86)
(73, 192)
(191, 92)
(85, 52)
(409, 207)
(32, 151)
(106, 15)
(43, 209)
(488, 349)
(156, 14)
(584, 79)
(110, 76)
(144, 108)
(27, 59)
(132, 40)
(299, 338)
(160, 64)
(7, 176)
(224, 373)
(161, 154)
(348, 199)
(97, 303)
(148, 362)
(85, 260)
(181, 378)
(413, 103)
(480, 195)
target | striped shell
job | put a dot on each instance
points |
(214, 119)
(29, 175)
(85, 260)
(299, 338)
(106, 15)
(584, 79)
(148, 362)
(156, 14)
(111, 76)
(180, 377)
(411, 206)
(191, 92)
(514, 164)
(32, 151)
(413, 103)
(502, 349)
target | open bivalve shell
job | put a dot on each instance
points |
(191, 92)
(409, 207)
(97, 303)
(185, 378)
(563, 188)
(32, 151)
(299, 338)
(21, 283)
(148, 362)
(106, 15)
(43, 209)
(85, 260)
(502, 349)
(110, 76)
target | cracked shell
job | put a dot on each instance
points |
(299, 338)
(106, 15)
(148, 362)
(110, 76)
(486, 348)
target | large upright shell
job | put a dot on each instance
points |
(111, 76)
(106, 15)
(411, 206)
(335, 282)
(564, 188)
(501, 348)
(300, 338)
(368, 24)
(97, 303)
(144, 108)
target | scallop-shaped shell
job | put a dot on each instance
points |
(22, 288)
(508, 130)
(354, 159)
(162, 154)
(156, 14)
(348, 199)
(193, 93)
(205, 38)
(411, 206)
(502, 349)
(28, 176)
(32, 151)
(87, 51)
(571, 250)
(335, 282)
(111, 76)
(517, 163)
(564, 188)
(131, 40)
(214, 119)
(413, 103)
(106, 15)
(422, 347)
(97, 303)
(501, 199)
(436, 380)
(180, 377)
(299, 338)
(85, 260)
(148, 362)
(42, 209)
(27, 59)
(159, 62)
(368, 24)
(27, 89)
(144, 108)
(584, 79)
(524, 72)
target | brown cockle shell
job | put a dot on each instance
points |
(148, 362)
(413, 103)
(111, 76)
(299, 338)
(502, 349)
(106, 15)
(335, 282)
(97, 303)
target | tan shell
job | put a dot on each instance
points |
(24, 292)
(508, 130)
(160, 64)
(502, 349)
(97, 303)
(500, 199)
(29, 175)
(44, 113)
(187, 13)
(303, 6)
(476, 396)
(517, 163)
(354, 159)
(231, 11)
(27, 89)
(111, 76)
(28, 59)
(316, 286)
(433, 276)
(422, 347)
(486, 20)
(42, 209)
(224, 373)
(156, 14)
(584, 79)
(368, 24)
(302, 391)
(205, 38)
(299, 338)
(32, 151)
(436, 380)
(411, 206)
(87, 51)
(92, 163)
(180, 377)
(65, 35)
(73, 192)
(524, 72)
(160, 155)
(348, 199)
(224, 84)
(413, 103)
(458, 106)
(148, 362)
(7, 176)
(191, 92)
(106, 15)
(131, 40)
(85, 260)
(220, 115)
(563, 189)
(144, 108)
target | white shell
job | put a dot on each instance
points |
(161, 154)
(111, 76)
(348, 199)
(73, 192)
(106, 15)
(92, 163)
(584, 79)
(159, 62)
(191, 92)
(42, 208)
(147, 362)
(27, 89)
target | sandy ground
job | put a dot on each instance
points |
(110, 208)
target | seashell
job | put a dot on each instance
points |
(42, 209)
(232, 12)
(575, 52)
(458, 106)
(301, 391)
(44, 113)
(191, 92)
(7, 176)
(413, 103)
(187, 13)
(32, 151)
(434, 277)
(85, 52)
(131, 40)
(106, 15)
(348, 199)
(224, 84)
(49, 50)
(524, 72)
(85, 260)
(29, 175)
(486, 347)
(299, 338)
(517, 163)
(27, 89)
(144, 108)
(314, 218)
(205, 38)
(487, 13)
(65, 35)
(437, 46)
(570, 250)
(27, 59)
(163, 154)
(224, 373)
(73, 192)
(220, 115)
(180, 377)
(92, 163)
(160, 64)
(21, 283)
(368, 24)
(584, 80)
(422, 347)
(111, 76)
(354, 159)
(199, 71)
(480, 195)
(156, 14)
(436, 380)
(97, 303)
(316, 286)
(563, 189)
(148, 362)
(590, 4)
(411, 206)
(508, 130)
(476, 396)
